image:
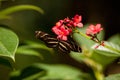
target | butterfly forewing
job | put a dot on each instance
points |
(49, 40)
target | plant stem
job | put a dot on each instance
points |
(82, 34)
(97, 68)
(99, 75)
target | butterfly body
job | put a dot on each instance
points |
(53, 42)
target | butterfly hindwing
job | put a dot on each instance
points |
(64, 46)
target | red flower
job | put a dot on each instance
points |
(58, 24)
(93, 29)
(77, 21)
(61, 32)
(77, 18)
(78, 25)
(66, 20)
(63, 28)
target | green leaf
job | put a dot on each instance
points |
(31, 49)
(4, 17)
(77, 56)
(13, 9)
(113, 77)
(28, 73)
(8, 45)
(53, 72)
(63, 72)
(32, 52)
(5, 62)
(115, 39)
(104, 53)
(36, 45)
(114, 52)
(82, 41)
(28, 51)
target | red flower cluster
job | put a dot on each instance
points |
(93, 29)
(63, 28)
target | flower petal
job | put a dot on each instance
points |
(79, 25)
(64, 38)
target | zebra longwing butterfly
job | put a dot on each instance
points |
(53, 42)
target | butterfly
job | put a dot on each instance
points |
(53, 42)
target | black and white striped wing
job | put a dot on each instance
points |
(67, 46)
(76, 48)
(49, 40)
(64, 46)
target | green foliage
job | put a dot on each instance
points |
(8, 46)
(113, 77)
(103, 53)
(30, 49)
(4, 14)
(45, 72)
(28, 73)
(115, 39)
(33, 52)
(94, 57)
(77, 56)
